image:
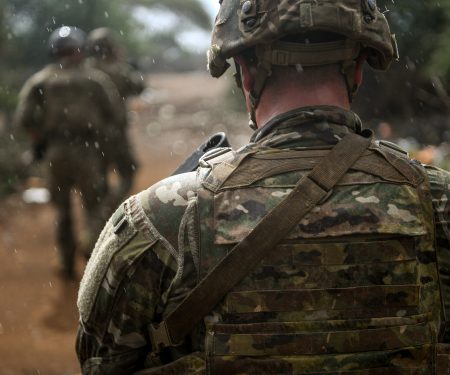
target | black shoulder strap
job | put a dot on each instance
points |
(246, 255)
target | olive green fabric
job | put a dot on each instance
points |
(52, 108)
(129, 82)
(341, 292)
(258, 243)
(352, 289)
(53, 103)
(106, 55)
(268, 20)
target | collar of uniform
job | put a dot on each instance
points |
(308, 126)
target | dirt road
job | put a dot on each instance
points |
(38, 316)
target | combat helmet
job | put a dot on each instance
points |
(265, 25)
(66, 40)
(103, 43)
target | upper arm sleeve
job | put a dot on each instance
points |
(118, 299)
(29, 111)
(109, 98)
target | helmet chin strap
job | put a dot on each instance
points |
(264, 70)
(348, 70)
(282, 53)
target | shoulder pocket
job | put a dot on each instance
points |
(117, 235)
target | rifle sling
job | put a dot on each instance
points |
(248, 253)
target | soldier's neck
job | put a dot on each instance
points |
(274, 105)
(69, 62)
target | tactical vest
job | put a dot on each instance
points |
(74, 105)
(353, 289)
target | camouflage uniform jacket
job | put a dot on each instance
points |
(353, 288)
(53, 104)
(128, 81)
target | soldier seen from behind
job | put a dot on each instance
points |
(314, 249)
(108, 55)
(64, 107)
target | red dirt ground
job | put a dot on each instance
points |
(38, 315)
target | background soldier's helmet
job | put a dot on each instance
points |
(241, 24)
(65, 41)
(103, 43)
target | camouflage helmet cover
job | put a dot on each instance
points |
(66, 40)
(241, 24)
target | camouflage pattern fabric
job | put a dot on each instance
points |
(52, 107)
(243, 24)
(353, 289)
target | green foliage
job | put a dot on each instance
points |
(410, 94)
(12, 170)
(25, 26)
(417, 24)
(2, 26)
(160, 49)
(8, 99)
(440, 58)
(30, 23)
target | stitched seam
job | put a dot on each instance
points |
(192, 234)
(144, 224)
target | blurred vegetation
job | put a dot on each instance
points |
(12, 168)
(188, 10)
(413, 94)
(25, 26)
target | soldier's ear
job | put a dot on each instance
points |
(247, 73)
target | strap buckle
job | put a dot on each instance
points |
(159, 337)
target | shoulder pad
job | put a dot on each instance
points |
(400, 160)
(119, 232)
(221, 166)
(215, 156)
(165, 203)
(108, 244)
(390, 146)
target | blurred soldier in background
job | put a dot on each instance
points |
(314, 249)
(64, 108)
(108, 55)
